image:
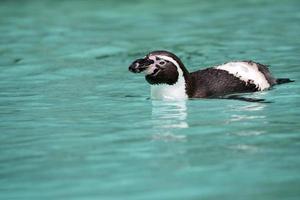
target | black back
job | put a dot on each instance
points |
(213, 82)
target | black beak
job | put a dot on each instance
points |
(140, 65)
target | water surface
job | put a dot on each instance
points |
(75, 124)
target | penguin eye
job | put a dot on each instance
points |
(162, 62)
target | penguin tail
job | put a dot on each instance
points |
(283, 80)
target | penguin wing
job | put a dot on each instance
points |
(212, 82)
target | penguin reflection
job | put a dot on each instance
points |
(167, 117)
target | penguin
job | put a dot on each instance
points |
(170, 80)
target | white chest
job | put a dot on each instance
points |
(170, 92)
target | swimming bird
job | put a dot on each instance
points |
(170, 80)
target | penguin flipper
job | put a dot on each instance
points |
(247, 99)
(283, 80)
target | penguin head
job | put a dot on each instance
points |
(159, 67)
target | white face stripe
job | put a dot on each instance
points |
(150, 69)
(246, 72)
(171, 60)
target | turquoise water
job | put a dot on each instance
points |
(75, 124)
